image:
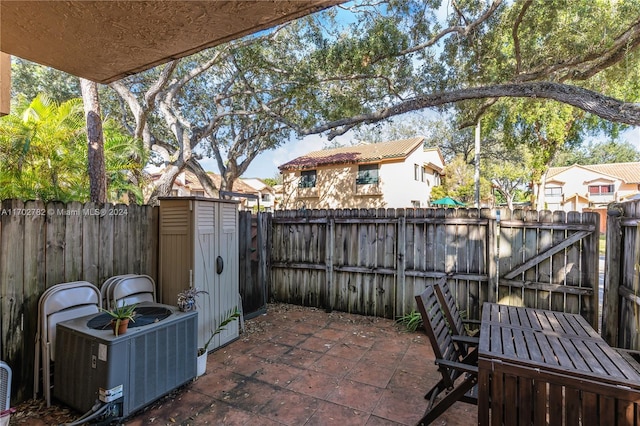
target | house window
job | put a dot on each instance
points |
(424, 174)
(554, 191)
(416, 172)
(600, 189)
(307, 179)
(174, 193)
(266, 197)
(198, 193)
(367, 173)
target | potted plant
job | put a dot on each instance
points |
(187, 299)
(121, 316)
(231, 316)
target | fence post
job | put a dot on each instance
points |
(331, 228)
(493, 234)
(611, 298)
(401, 260)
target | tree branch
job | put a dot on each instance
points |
(462, 30)
(595, 103)
(516, 38)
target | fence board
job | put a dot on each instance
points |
(43, 245)
(12, 279)
(382, 258)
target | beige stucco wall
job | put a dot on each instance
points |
(5, 83)
(336, 186)
(577, 181)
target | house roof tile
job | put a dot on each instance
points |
(627, 172)
(355, 154)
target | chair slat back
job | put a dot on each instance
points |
(436, 325)
(450, 308)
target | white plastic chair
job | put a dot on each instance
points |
(61, 302)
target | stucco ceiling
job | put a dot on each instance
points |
(104, 41)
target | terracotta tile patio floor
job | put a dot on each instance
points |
(303, 366)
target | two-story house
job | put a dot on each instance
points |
(396, 174)
(592, 186)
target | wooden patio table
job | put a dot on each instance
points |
(543, 367)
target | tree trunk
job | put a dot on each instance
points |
(95, 138)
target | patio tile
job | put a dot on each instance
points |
(384, 359)
(301, 358)
(333, 365)
(290, 408)
(215, 382)
(290, 339)
(333, 414)
(316, 344)
(184, 406)
(356, 395)
(309, 367)
(220, 413)
(270, 350)
(250, 395)
(400, 406)
(343, 350)
(277, 374)
(364, 373)
(331, 334)
(314, 383)
(243, 364)
(378, 421)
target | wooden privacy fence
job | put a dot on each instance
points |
(621, 317)
(45, 244)
(373, 261)
(254, 262)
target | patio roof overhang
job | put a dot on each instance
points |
(105, 41)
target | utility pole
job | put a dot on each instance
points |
(477, 160)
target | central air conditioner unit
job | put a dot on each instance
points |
(156, 355)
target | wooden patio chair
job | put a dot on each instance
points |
(460, 335)
(459, 371)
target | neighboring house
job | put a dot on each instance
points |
(394, 174)
(574, 188)
(266, 200)
(251, 193)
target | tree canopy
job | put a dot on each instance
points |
(540, 75)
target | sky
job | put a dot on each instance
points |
(266, 164)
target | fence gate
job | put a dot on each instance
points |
(549, 260)
(621, 319)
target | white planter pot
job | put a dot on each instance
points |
(201, 364)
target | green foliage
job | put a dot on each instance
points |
(412, 321)
(29, 79)
(228, 318)
(599, 153)
(43, 154)
(120, 313)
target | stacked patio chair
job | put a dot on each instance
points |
(61, 302)
(457, 325)
(122, 290)
(459, 371)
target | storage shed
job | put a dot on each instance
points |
(199, 248)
